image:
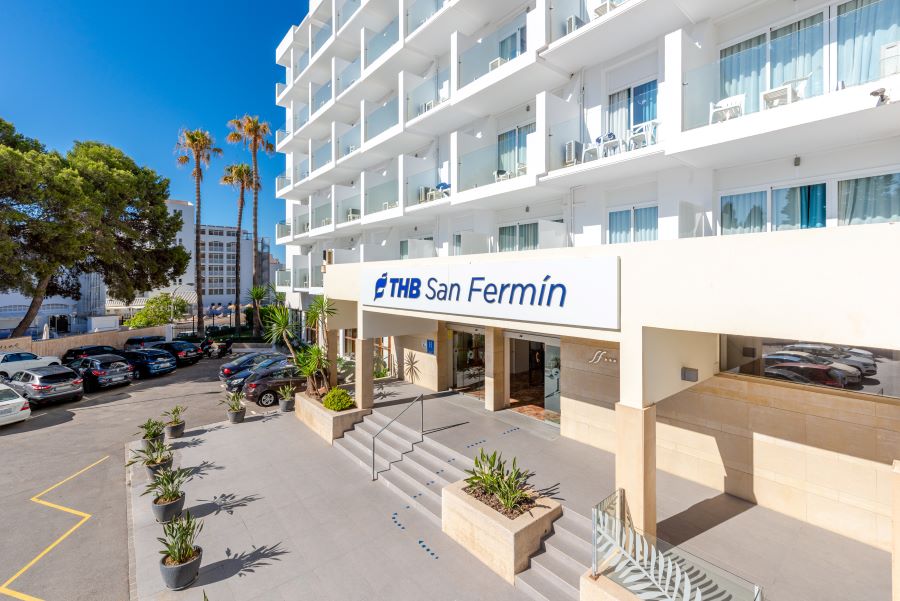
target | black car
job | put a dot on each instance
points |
(102, 371)
(80, 352)
(150, 362)
(246, 361)
(48, 384)
(262, 387)
(236, 382)
(185, 353)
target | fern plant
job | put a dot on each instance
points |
(178, 539)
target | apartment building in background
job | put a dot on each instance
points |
(626, 219)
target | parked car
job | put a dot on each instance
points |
(150, 362)
(236, 382)
(246, 361)
(139, 342)
(864, 364)
(816, 374)
(13, 407)
(851, 374)
(102, 371)
(13, 361)
(47, 384)
(185, 353)
(786, 374)
(80, 352)
(262, 387)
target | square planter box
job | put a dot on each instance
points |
(502, 544)
(326, 423)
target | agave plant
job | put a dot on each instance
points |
(156, 453)
(233, 401)
(152, 428)
(179, 537)
(174, 414)
(166, 485)
(286, 392)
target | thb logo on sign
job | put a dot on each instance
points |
(399, 287)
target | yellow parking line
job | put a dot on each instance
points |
(36, 498)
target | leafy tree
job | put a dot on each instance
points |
(198, 147)
(239, 176)
(254, 135)
(159, 310)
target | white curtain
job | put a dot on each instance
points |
(646, 224)
(863, 27)
(796, 52)
(742, 71)
(618, 115)
(620, 226)
(522, 142)
(506, 151)
(869, 200)
(744, 213)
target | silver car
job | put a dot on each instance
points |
(48, 384)
(864, 364)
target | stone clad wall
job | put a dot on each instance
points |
(589, 392)
(56, 347)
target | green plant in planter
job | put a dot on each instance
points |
(286, 392)
(338, 399)
(492, 478)
(174, 414)
(152, 428)
(166, 485)
(156, 453)
(179, 537)
(233, 401)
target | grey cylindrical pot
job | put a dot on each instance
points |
(175, 430)
(146, 442)
(165, 512)
(153, 469)
(183, 575)
(236, 417)
(286, 405)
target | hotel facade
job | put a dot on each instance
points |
(670, 228)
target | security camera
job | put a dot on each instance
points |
(880, 94)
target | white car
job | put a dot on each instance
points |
(15, 361)
(13, 408)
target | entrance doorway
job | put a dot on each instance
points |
(534, 374)
(468, 362)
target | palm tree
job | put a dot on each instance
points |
(280, 328)
(197, 146)
(239, 176)
(253, 134)
(319, 310)
(257, 294)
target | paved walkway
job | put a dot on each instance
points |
(288, 517)
(791, 560)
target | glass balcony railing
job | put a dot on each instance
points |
(282, 229)
(322, 36)
(301, 64)
(283, 181)
(570, 15)
(281, 135)
(347, 10)
(321, 155)
(301, 117)
(349, 141)
(301, 224)
(349, 75)
(317, 279)
(422, 188)
(322, 215)
(382, 118)
(283, 278)
(348, 209)
(488, 165)
(492, 52)
(321, 96)
(428, 94)
(301, 170)
(279, 89)
(301, 277)
(382, 197)
(419, 12)
(379, 43)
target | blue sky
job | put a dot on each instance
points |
(132, 74)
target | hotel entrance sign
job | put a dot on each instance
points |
(583, 293)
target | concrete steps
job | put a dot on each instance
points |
(555, 572)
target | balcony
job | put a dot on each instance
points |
(301, 224)
(382, 197)
(346, 11)
(493, 51)
(301, 64)
(322, 215)
(420, 12)
(321, 36)
(428, 94)
(281, 135)
(283, 181)
(321, 155)
(282, 230)
(316, 277)
(349, 141)
(279, 89)
(349, 75)
(283, 279)
(382, 118)
(348, 209)
(421, 188)
(301, 171)
(321, 96)
(301, 278)
(568, 16)
(301, 117)
(381, 41)
(488, 165)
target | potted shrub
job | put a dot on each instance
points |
(506, 490)
(168, 498)
(234, 405)
(151, 431)
(286, 398)
(181, 557)
(338, 399)
(175, 424)
(158, 456)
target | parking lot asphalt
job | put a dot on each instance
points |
(77, 451)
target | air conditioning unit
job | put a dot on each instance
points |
(573, 23)
(496, 63)
(890, 59)
(574, 150)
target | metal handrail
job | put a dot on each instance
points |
(418, 399)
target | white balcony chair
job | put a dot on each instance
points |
(643, 135)
(727, 108)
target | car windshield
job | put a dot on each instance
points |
(7, 394)
(112, 363)
(57, 377)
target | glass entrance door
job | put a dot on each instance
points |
(552, 368)
(468, 361)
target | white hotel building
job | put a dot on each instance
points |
(706, 182)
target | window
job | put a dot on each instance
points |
(457, 245)
(512, 149)
(800, 207)
(630, 107)
(216, 233)
(744, 213)
(514, 44)
(638, 224)
(522, 236)
(869, 200)
(404, 249)
(863, 28)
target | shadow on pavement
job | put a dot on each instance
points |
(201, 431)
(202, 470)
(226, 502)
(187, 444)
(239, 564)
(39, 419)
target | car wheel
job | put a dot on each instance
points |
(4, 375)
(78, 398)
(137, 374)
(267, 399)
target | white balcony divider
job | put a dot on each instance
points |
(382, 118)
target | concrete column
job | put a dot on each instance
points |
(636, 463)
(331, 338)
(895, 547)
(443, 350)
(364, 379)
(495, 393)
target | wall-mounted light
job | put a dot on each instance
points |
(689, 374)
